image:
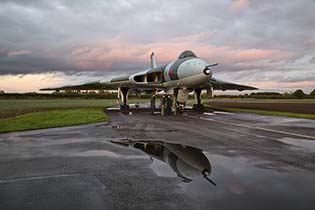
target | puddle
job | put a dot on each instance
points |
(241, 182)
(241, 185)
(299, 143)
(162, 169)
(174, 160)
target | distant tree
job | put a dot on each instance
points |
(312, 93)
(68, 91)
(101, 92)
(2, 92)
(92, 92)
(299, 93)
(56, 92)
(265, 93)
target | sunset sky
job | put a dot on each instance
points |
(265, 43)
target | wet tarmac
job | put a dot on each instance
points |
(140, 161)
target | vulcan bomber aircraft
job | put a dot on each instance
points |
(175, 80)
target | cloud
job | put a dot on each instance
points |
(75, 37)
(239, 5)
(110, 53)
(265, 7)
(79, 51)
(19, 53)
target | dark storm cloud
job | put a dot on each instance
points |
(69, 36)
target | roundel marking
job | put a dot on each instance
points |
(171, 72)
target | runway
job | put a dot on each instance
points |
(257, 162)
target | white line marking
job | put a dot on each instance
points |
(227, 113)
(113, 109)
(208, 113)
(259, 128)
(36, 178)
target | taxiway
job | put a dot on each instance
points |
(258, 162)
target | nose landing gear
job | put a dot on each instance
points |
(181, 96)
(180, 108)
(198, 107)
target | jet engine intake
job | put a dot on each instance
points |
(149, 78)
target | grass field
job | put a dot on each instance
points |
(28, 114)
(20, 115)
(54, 118)
(254, 100)
(14, 107)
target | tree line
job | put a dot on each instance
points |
(101, 94)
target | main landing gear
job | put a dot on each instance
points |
(167, 106)
(198, 107)
(124, 107)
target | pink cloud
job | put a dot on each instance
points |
(19, 53)
(239, 5)
(289, 85)
(80, 51)
(104, 54)
(265, 7)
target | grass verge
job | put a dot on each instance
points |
(51, 119)
(263, 112)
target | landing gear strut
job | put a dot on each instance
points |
(180, 107)
(124, 107)
(166, 105)
(198, 107)
(152, 102)
(181, 98)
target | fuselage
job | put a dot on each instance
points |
(187, 71)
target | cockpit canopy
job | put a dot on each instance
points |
(186, 54)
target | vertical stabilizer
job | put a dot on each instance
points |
(153, 62)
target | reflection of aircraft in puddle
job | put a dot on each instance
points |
(186, 161)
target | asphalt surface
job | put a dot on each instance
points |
(143, 161)
(293, 107)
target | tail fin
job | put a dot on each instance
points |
(153, 62)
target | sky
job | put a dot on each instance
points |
(265, 43)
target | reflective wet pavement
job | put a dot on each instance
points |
(139, 161)
(243, 183)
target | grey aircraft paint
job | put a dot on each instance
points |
(173, 70)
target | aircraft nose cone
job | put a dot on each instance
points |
(206, 172)
(207, 71)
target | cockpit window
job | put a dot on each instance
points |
(186, 54)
